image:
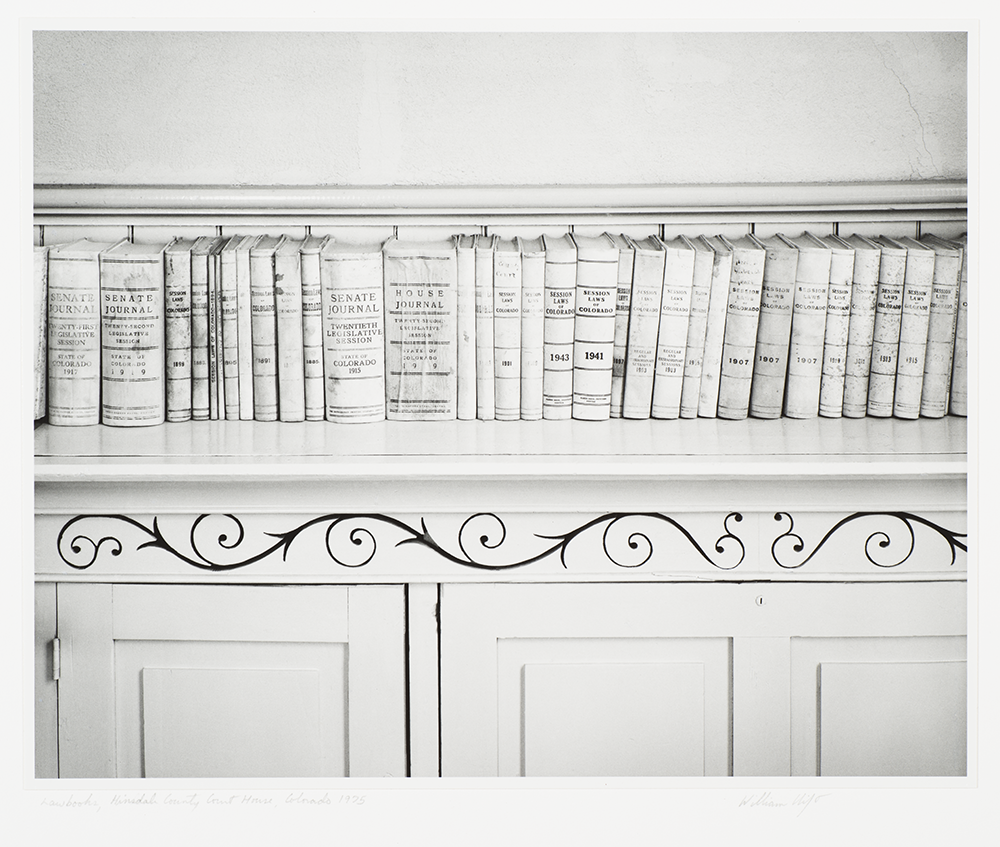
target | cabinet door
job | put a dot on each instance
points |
(686, 679)
(231, 681)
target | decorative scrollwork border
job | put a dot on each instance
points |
(879, 537)
(80, 551)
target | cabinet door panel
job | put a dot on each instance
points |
(232, 681)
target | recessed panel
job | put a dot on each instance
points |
(210, 722)
(892, 719)
(614, 719)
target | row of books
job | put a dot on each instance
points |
(480, 327)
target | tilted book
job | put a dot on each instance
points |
(560, 312)
(594, 326)
(485, 342)
(201, 253)
(959, 401)
(264, 331)
(914, 321)
(626, 261)
(244, 331)
(312, 327)
(774, 329)
(133, 391)
(648, 261)
(177, 327)
(421, 337)
(864, 292)
(675, 316)
(216, 400)
(288, 323)
(885, 333)
(507, 329)
(532, 326)
(805, 349)
(715, 328)
(40, 309)
(838, 317)
(940, 353)
(353, 331)
(694, 353)
(230, 328)
(465, 251)
(74, 333)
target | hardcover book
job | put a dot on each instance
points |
(594, 326)
(201, 258)
(694, 353)
(288, 323)
(643, 328)
(940, 354)
(263, 323)
(74, 332)
(40, 310)
(465, 251)
(353, 331)
(838, 317)
(421, 280)
(959, 400)
(805, 349)
(229, 325)
(914, 321)
(560, 311)
(312, 327)
(133, 374)
(715, 327)
(742, 316)
(244, 331)
(507, 329)
(774, 329)
(177, 328)
(532, 326)
(860, 331)
(626, 263)
(885, 333)
(485, 340)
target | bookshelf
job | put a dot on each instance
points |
(481, 531)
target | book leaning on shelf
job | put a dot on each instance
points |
(885, 332)
(648, 259)
(694, 350)
(177, 328)
(959, 399)
(941, 328)
(39, 316)
(914, 321)
(672, 335)
(626, 264)
(838, 317)
(288, 325)
(715, 326)
(861, 327)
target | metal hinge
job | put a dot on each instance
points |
(55, 659)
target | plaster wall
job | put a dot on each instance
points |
(339, 108)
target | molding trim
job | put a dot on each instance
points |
(135, 204)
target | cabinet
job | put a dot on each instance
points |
(552, 598)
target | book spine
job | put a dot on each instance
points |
(697, 323)
(244, 334)
(774, 327)
(199, 337)
(959, 399)
(421, 335)
(914, 320)
(288, 318)
(532, 334)
(560, 311)
(40, 315)
(177, 333)
(466, 259)
(485, 341)
(214, 359)
(594, 336)
(740, 338)
(715, 328)
(507, 333)
(671, 346)
(623, 305)
(643, 328)
(941, 336)
(885, 335)
(74, 333)
(805, 349)
(312, 337)
(838, 317)
(864, 293)
(354, 337)
(264, 336)
(132, 342)
(230, 337)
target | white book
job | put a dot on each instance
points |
(288, 323)
(560, 311)
(264, 328)
(774, 329)
(885, 332)
(694, 351)
(244, 332)
(532, 326)
(465, 248)
(353, 316)
(838, 317)
(864, 293)
(229, 328)
(177, 328)
(485, 342)
(958, 403)
(312, 327)
(648, 262)
(39, 313)
(715, 328)
(626, 261)
(675, 317)
(594, 326)
(914, 321)
(740, 338)
(940, 354)
(507, 329)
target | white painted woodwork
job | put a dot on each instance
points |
(506, 648)
(232, 681)
(422, 671)
(46, 687)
